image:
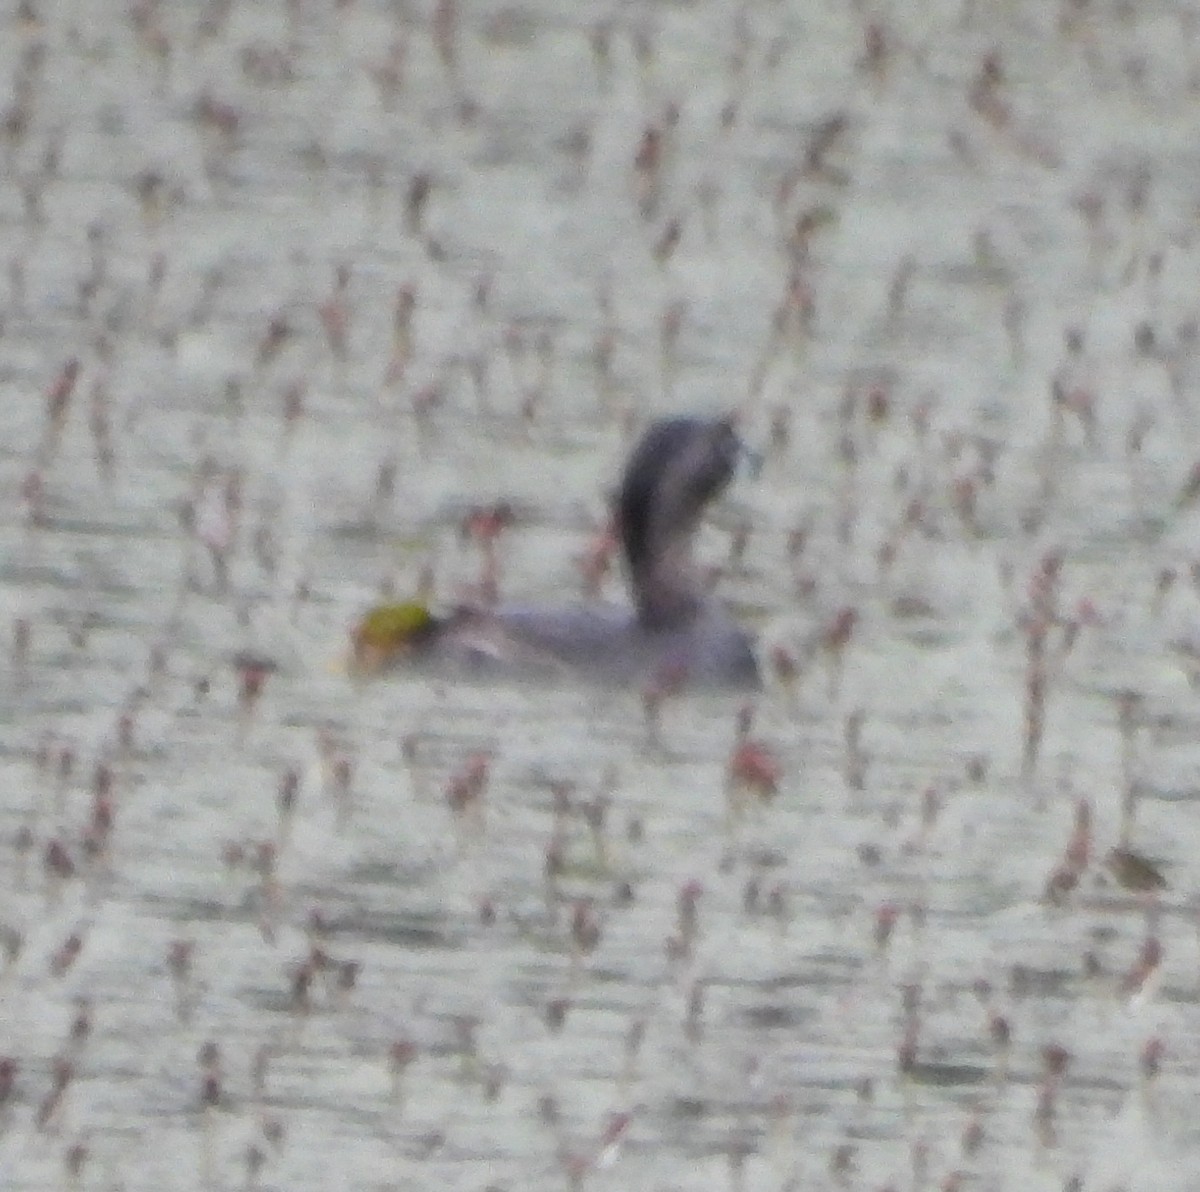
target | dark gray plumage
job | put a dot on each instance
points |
(676, 469)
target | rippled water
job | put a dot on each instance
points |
(866, 236)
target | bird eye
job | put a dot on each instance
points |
(727, 451)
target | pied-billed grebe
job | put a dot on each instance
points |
(675, 630)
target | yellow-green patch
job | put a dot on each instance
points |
(391, 629)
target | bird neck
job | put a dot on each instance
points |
(667, 589)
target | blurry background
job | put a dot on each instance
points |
(290, 288)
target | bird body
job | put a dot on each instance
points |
(674, 631)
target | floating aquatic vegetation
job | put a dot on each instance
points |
(388, 632)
